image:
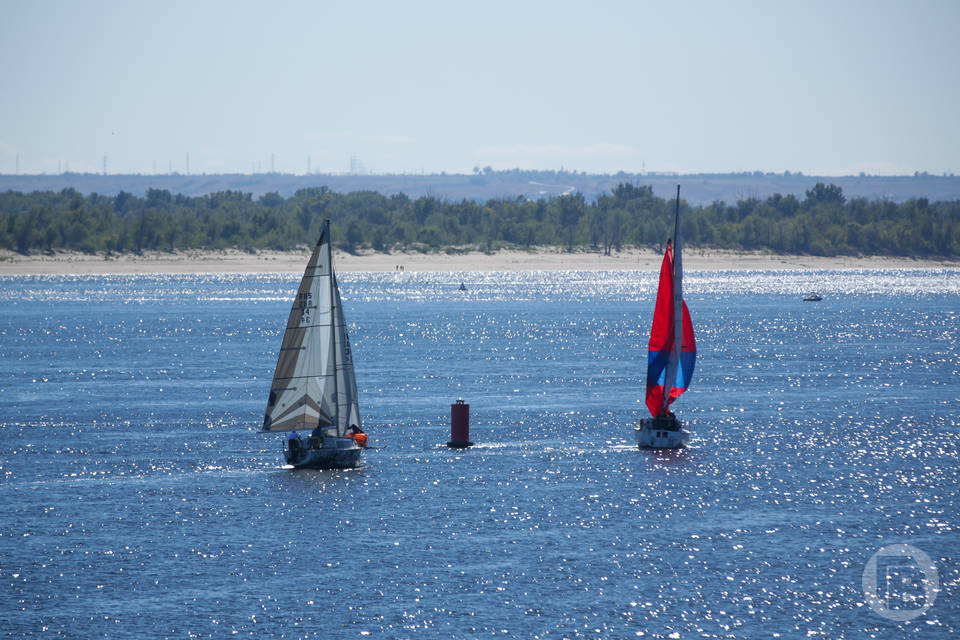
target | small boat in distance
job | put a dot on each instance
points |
(812, 297)
(314, 388)
(672, 353)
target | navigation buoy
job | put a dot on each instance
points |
(459, 425)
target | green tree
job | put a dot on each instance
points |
(825, 194)
(571, 210)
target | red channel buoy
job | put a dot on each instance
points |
(459, 425)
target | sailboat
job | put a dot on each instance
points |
(314, 389)
(672, 353)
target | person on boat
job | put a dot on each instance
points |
(357, 434)
(293, 441)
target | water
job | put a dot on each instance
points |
(138, 499)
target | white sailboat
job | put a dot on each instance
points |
(671, 355)
(314, 389)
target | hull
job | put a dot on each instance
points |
(324, 453)
(661, 433)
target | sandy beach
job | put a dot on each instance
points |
(234, 261)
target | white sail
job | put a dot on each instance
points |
(314, 384)
(348, 410)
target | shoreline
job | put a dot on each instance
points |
(543, 259)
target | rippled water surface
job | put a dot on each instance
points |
(139, 500)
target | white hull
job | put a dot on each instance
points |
(325, 453)
(661, 434)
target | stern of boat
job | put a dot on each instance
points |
(325, 452)
(661, 433)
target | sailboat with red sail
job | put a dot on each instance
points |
(672, 352)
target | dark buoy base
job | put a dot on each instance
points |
(459, 445)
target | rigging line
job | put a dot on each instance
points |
(321, 375)
(307, 326)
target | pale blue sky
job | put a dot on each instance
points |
(826, 88)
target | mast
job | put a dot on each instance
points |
(333, 328)
(674, 361)
(676, 229)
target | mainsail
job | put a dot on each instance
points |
(314, 384)
(670, 362)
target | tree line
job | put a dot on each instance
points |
(823, 223)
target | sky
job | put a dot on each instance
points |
(837, 87)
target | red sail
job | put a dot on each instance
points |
(662, 343)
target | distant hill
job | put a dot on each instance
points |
(697, 188)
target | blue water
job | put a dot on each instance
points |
(139, 500)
